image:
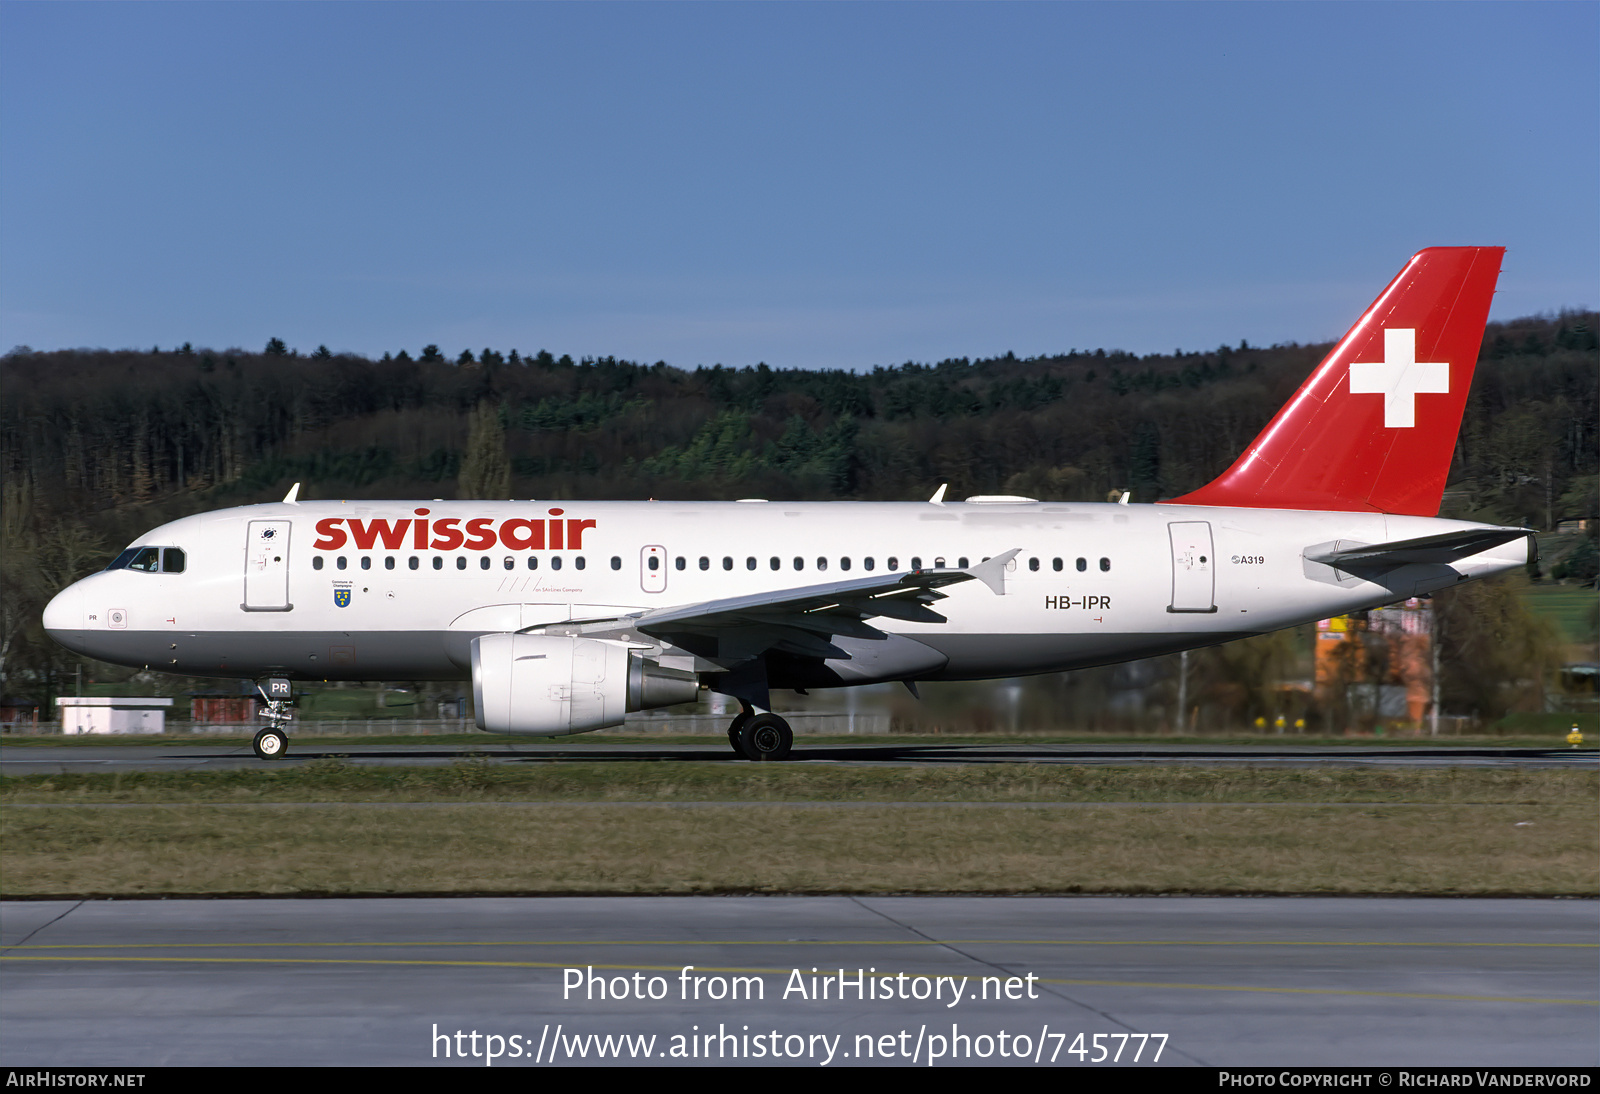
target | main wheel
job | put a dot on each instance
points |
(271, 744)
(733, 731)
(766, 737)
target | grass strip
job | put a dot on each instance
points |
(1500, 849)
(334, 780)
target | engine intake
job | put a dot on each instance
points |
(551, 686)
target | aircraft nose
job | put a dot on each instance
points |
(64, 613)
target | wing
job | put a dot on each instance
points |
(800, 621)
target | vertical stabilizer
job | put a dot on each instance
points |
(1374, 427)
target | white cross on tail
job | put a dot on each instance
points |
(1400, 378)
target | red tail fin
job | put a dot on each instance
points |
(1375, 425)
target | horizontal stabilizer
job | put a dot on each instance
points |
(1442, 549)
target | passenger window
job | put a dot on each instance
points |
(172, 560)
(1033, 564)
(414, 562)
(555, 562)
(653, 562)
(938, 564)
(578, 562)
(1055, 564)
(148, 560)
(893, 563)
(1083, 564)
(680, 562)
(799, 563)
(438, 562)
(822, 563)
(511, 563)
(616, 562)
(844, 564)
(705, 563)
(316, 562)
(533, 562)
(340, 563)
(750, 563)
(461, 562)
(1105, 564)
(868, 563)
(483, 563)
(727, 562)
(962, 562)
(388, 562)
(916, 562)
(366, 562)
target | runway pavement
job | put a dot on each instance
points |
(1162, 981)
(18, 760)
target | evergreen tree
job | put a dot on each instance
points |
(486, 468)
(276, 348)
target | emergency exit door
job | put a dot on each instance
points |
(266, 566)
(1193, 567)
(653, 569)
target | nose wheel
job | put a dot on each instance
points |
(271, 743)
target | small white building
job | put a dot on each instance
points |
(99, 714)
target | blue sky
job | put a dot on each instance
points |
(810, 185)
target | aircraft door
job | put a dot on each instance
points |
(266, 566)
(653, 569)
(1193, 567)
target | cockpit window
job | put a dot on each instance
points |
(122, 560)
(148, 559)
(151, 560)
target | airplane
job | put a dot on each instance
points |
(567, 616)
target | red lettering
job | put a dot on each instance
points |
(394, 537)
(480, 537)
(334, 535)
(419, 531)
(575, 533)
(449, 535)
(522, 535)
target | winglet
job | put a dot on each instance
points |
(992, 572)
(938, 495)
(293, 496)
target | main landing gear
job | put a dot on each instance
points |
(763, 736)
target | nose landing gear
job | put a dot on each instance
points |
(272, 742)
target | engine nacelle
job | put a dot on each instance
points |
(550, 685)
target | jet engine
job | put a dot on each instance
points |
(551, 685)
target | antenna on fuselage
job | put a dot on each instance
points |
(938, 495)
(293, 496)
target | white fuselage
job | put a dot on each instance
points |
(334, 596)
